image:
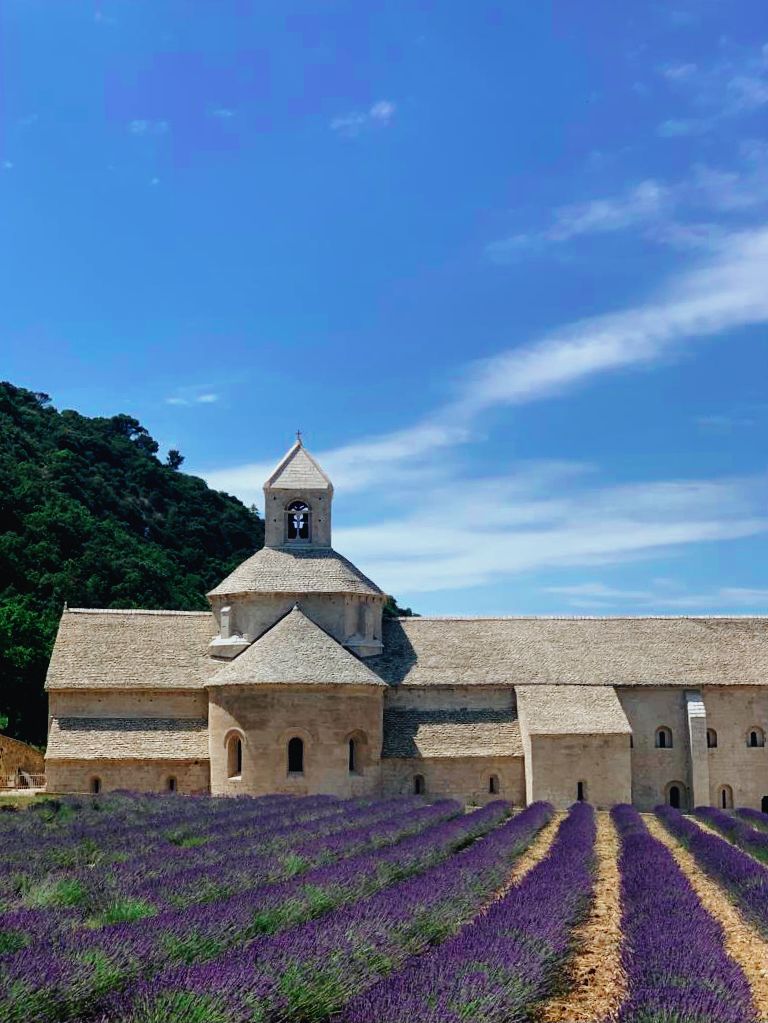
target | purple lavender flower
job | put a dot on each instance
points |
(676, 965)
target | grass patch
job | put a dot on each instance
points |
(122, 911)
(13, 941)
(184, 840)
(64, 893)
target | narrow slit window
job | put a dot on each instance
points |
(493, 785)
(664, 738)
(296, 756)
(419, 788)
(235, 757)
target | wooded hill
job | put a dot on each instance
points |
(91, 516)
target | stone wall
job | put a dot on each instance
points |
(463, 778)
(324, 717)
(122, 703)
(555, 764)
(342, 615)
(733, 713)
(18, 756)
(192, 777)
(451, 697)
(654, 769)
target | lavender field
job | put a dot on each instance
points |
(130, 908)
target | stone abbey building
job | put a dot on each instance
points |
(295, 682)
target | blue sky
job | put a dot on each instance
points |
(504, 264)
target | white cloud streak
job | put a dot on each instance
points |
(459, 533)
(353, 124)
(597, 595)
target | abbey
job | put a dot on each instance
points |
(296, 682)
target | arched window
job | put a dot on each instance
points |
(663, 738)
(353, 756)
(95, 786)
(756, 737)
(725, 797)
(234, 756)
(419, 788)
(171, 784)
(764, 804)
(676, 795)
(296, 756)
(493, 785)
(581, 791)
(298, 522)
(711, 738)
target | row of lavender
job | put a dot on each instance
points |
(311, 971)
(88, 890)
(67, 833)
(675, 962)
(740, 833)
(499, 966)
(284, 852)
(740, 874)
(68, 980)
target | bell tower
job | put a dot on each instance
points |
(297, 502)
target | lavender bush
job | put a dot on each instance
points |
(309, 972)
(676, 966)
(745, 879)
(496, 968)
(753, 817)
(63, 981)
(741, 834)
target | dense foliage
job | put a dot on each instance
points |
(89, 515)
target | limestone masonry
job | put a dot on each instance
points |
(295, 682)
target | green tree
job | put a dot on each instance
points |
(90, 516)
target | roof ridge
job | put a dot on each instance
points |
(130, 611)
(579, 618)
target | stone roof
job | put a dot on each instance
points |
(296, 570)
(578, 651)
(571, 710)
(298, 470)
(127, 739)
(295, 650)
(110, 649)
(482, 732)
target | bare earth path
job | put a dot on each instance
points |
(594, 975)
(743, 941)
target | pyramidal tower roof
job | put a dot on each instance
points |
(297, 470)
(298, 651)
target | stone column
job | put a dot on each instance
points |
(697, 737)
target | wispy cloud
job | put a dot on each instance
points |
(500, 527)
(598, 596)
(734, 86)
(533, 516)
(148, 127)
(207, 398)
(724, 291)
(352, 124)
(666, 212)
